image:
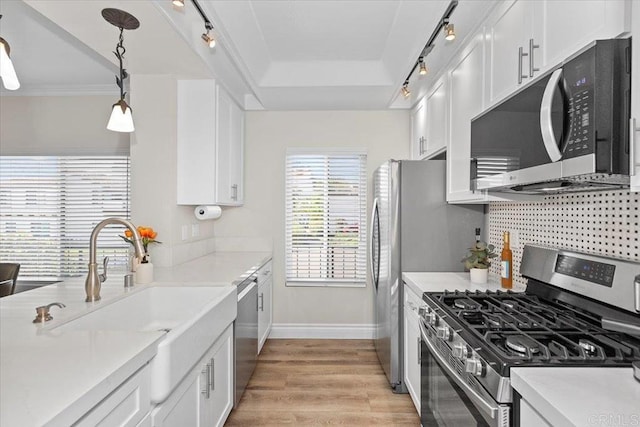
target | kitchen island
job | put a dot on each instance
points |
(55, 377)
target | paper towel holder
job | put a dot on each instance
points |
(205, 212)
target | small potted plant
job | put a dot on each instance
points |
(478, 260)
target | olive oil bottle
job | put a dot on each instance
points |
(507, 257)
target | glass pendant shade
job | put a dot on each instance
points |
(121, 119)
(7, 71)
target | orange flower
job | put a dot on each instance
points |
(128, 233)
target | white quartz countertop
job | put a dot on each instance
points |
(43, 372)
(420, 282)
(575, 396)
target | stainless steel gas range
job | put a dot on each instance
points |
(577, 310)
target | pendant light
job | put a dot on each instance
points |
(121, 119)
(7, 71)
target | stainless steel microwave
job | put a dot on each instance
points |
(566, 131)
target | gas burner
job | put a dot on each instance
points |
(591, 349)
(522, 343)
(509, 303)
(465, 304)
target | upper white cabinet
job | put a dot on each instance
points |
(635, 96)
(419, 130)
(466, 78)
(526, 38)
(429, 120)
(210, 145)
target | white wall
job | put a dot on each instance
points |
(58, 125)
(384, 134)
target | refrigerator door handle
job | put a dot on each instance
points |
(374, 215)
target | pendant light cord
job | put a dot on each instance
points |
(119, 53)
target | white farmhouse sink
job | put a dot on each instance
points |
(193, 318)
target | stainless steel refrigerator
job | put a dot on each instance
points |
(413, 228)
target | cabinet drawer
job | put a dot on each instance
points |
(126, 406)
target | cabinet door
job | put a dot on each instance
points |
(466, 101)
(224, 135)
(182, 407)
(437, 119)
(418, 130)
(196, 142)
(411, 354)
(265, 312)
(509, 28)
(635, 94)
(236, 155)
(217, 406)
(562, 27)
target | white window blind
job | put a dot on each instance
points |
(326, 204)
(49, 206)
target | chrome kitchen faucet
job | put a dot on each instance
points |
(94, 281)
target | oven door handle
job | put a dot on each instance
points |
(487, 407)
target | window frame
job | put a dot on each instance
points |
(363, 194)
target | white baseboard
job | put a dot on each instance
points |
(321, 331)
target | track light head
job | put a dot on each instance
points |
(405, 90)
(449, 32)
(423, 67)
(178, 3)
(209, 40)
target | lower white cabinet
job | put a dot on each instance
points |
(529, 417)
(265, 306)
(412, 345)
(125, 406)
(205, 396)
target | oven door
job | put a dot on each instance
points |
(447, 399)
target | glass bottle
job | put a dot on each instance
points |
(507, 258)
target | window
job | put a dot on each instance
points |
(326, 204)
(49, 206)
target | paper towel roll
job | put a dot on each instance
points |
(207, 212)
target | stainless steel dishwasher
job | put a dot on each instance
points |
(245, 331)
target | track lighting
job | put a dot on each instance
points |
(207, 37)
(7, 71)
(449, 31)
(423, 66)
(405, 89)
(450, 34)
(209, 40)
(121, 119)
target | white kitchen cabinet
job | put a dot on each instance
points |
(466, 78)
(529, 417)
(508, 28)
(635, 95)
(412, 345)
(229, 154)
(126, 406)
(210, 144)
(419, 129)
(437, 118)
(205, 397)
(265, 303)
(526, 38)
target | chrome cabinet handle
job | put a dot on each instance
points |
(532, 68)
(636, 283)
(261, 297)
(632, 146)
(207, 388)
(212, 374)
(419, 350)
(521, 54)
(234, 189)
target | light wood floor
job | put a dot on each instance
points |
(321, 382)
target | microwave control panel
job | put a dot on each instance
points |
(580, 141)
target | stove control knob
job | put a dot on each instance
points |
(461, 351)
(443, 332)
(432, 318)
(422, 311)
(475, 367)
